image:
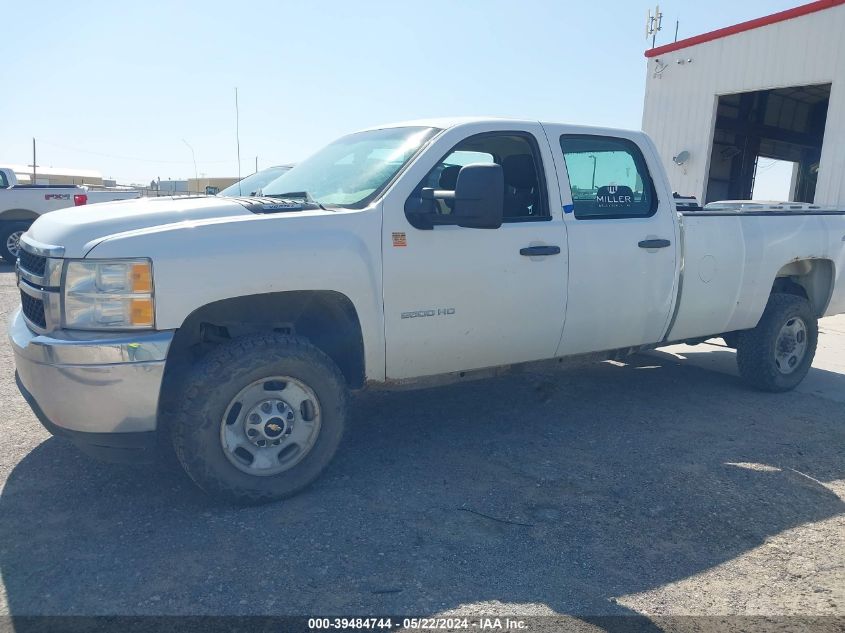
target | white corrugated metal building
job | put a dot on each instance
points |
(771, 88)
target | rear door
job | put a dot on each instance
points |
(622, 241)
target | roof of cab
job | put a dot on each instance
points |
(440, 123)
(449, 122)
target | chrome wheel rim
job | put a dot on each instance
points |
(791, 345)
(270, 425)
(13, 243)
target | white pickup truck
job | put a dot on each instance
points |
(231, 329)
(20, 205)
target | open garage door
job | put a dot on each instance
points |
(783, 124)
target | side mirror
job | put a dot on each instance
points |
(477, 202)
(480, 197)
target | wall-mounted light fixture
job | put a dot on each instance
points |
(659, 67)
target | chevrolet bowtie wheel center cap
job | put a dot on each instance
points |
(269, 422)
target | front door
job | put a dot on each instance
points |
(459, 298)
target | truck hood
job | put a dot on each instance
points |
(79, 229)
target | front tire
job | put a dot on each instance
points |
(260, 418)
(777, 354)
(10, 237)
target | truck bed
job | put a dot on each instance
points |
(731, 258)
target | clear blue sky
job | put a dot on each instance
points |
(117, 86)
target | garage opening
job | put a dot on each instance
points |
(767, 144)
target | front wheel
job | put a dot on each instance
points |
(777, 354)
(10, 238)
(260, 418)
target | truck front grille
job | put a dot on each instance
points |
(33, 309)
(35, 264)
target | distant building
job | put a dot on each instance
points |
(771, 88)
(56, 176)
(192, 186)
(171, 187)
(210, 185)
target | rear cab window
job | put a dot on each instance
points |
(608, 177)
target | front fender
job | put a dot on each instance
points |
(195, 264)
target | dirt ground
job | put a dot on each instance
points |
(661, 486)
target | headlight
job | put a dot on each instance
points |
(108, 294)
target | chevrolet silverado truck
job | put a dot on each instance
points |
(20, 205)
(230, 330)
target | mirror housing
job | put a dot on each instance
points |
(477, 202)
(480, 196)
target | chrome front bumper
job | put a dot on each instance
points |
(91, 382)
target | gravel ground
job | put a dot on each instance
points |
(652, 487)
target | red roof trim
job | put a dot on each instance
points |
(774, 18)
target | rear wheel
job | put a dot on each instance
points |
(260, 418)
(10, 237)
(777, 354)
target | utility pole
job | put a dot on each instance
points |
(256, 164)
(34, 164)
(238, 136)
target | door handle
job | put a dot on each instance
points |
(539, 251)
(654, 244)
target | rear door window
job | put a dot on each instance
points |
(608, 177)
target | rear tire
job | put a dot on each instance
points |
(777, 354)
(259, 418)
(10, 235)
(731, 339)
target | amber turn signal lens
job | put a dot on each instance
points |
(142, 279)
(141, 312)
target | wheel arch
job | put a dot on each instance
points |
(811, 278)
(18, 215)
(328, 319)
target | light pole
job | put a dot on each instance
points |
(194, 157)
(593, 186)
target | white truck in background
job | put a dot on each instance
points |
(230, 329)
(20, 205)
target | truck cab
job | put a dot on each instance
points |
(560, 246)
(7, 178)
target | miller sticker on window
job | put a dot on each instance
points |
(399, 240)
(614, 196)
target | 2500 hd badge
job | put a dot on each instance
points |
(428, 313)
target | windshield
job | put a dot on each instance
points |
(354, 169)
(252, 185)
